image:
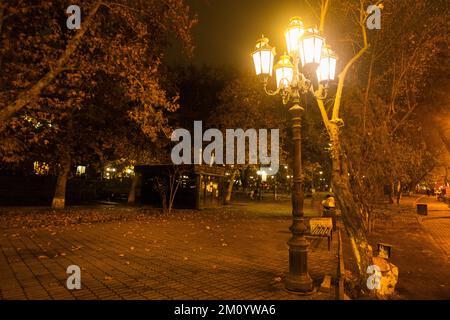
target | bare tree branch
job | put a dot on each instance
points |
(369, 84)
(323, 14)
(343, 74)
(312, 8)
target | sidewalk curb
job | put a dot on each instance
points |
(341, 268)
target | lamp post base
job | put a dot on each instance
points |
(298, 278)
(299, 284)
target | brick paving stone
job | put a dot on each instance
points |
(437, 223)
(201, 255)
(441, 233)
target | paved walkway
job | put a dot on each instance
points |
(226, 254)
(424, 271)
(437, 222)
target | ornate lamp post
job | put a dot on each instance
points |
(306, 51)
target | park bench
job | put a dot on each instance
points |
(322, 227)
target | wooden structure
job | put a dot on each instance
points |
(199, 186)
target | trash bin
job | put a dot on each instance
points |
(422, 209)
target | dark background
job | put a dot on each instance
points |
(227, 30)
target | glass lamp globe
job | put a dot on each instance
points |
(311, 44)
(263, 58)
(284, 71)
(293, 34)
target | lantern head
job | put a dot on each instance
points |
(293, 34)
(263, 58)
(284, 71)
(311, 44)
(327, 67)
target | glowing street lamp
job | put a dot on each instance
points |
(293, 33)
(263, 58)
(311, 44)
(284, 71)
(327, 67)
(305, 49)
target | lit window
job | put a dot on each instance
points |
(128, 171)
(81, 170)
(41, 168)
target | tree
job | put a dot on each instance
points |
(386, 86)
(351, 211)
(99, 132)
(167, 186)
(124, 38)
(394, 79)
(58, 77)
(243, 105)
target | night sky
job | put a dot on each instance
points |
(227, 30)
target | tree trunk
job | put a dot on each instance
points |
(391, 192)
(174, 183)
(59, 199)
(399, 192)
(165, 208)
(446, 176)
(351, 215)
(134, 185)
(230, 188)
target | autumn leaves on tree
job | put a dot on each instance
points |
(105, 79)
(370, 122)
